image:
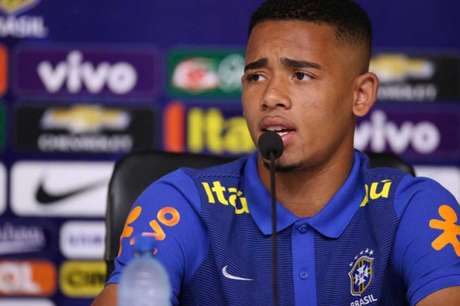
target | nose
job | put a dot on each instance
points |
(276, 95)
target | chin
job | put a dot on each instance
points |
(286, 168)
(282, 167)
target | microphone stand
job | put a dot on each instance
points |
(271, 147)
(274, 240)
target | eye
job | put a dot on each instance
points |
(254, 77)
(299, 75)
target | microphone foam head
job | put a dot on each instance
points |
(270, 143)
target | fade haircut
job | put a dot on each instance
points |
(351, 22)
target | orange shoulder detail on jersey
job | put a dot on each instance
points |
(450, 230)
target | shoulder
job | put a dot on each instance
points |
(381, 184)
(426, 250)
(231, 169)
(404, 189)
(185, 183)
(401, 188)
(175, 186)
(422, 192)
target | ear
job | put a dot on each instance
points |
(365, 93)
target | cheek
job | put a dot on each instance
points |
(324, 116)
(249, 113)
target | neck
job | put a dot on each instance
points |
(305, 191)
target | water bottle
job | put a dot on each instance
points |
(144, 281)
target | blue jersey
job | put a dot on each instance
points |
(385, 238)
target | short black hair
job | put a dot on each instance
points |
(352, 23)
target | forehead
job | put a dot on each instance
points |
(293, 39)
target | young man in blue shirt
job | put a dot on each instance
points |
(347, 234)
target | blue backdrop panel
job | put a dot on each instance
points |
(84, 82)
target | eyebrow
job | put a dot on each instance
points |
(260, 63)
(299, 64)
(263, 62)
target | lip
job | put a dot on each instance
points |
(279, 123)
(276, 121)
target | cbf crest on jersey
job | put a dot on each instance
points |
(16, 6)
(362, 270)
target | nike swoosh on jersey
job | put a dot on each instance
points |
(45, 197)
(230, 276)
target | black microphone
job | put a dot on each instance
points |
(270, 143)
(271, 147)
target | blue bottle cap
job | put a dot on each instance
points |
(143, 244)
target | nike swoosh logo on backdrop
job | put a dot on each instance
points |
(45, 197)
(230, 276)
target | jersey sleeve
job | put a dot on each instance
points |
(167, 212)
(427, 247)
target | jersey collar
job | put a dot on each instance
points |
(331, 221)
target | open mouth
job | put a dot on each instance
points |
(282, 131)
(285, 128)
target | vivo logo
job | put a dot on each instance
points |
(378, 134)
(63, 71)
(74, 73)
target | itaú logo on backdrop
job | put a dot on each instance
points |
(200, 129)
(378, 134)
(3, 70)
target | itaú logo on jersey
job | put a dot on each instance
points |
(378, 133)
(226, 196)
(376, 190)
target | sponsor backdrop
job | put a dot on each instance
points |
(84, 82)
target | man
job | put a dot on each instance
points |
(347, 234)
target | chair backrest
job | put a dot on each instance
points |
(133, 173)
(389, 160)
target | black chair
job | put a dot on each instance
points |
(133, 173)
(377, 160)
